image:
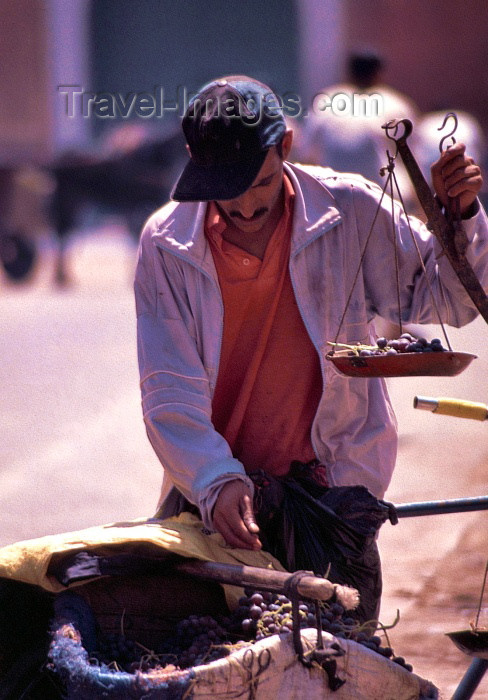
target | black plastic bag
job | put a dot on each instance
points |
(330, 531)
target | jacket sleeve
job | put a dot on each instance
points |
(176, 399)
(423, 296)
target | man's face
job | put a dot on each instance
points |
(250, 212)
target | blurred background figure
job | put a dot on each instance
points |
(128, 174)
(352, 140)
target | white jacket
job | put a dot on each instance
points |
(180, 323)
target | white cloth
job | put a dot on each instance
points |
(352, 139)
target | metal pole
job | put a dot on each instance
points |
(455, 505)
(471, 679)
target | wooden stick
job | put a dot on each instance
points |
(309, 586)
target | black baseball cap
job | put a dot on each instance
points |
(229, 127)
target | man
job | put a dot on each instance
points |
(347, 136)
(241, 282)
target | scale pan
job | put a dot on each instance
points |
(471, 643)
(405, 364)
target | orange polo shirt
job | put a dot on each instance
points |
(269, 381)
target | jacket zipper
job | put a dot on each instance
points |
(319, 352)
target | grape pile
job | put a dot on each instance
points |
(202, 639)
(405, 343)
(269, 613)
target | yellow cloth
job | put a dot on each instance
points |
(29, 560)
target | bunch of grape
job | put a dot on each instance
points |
(269, 614)
(198, 639)
(116, 651)
(202, 639)
(405, 343)
(260, 614)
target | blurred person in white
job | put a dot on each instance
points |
(347, 135)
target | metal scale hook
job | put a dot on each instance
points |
(449, 115)
(454, 204)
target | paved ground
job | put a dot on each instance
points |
(75, 454)
(74, 449)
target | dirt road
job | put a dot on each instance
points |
(75, 454)
(434, 565)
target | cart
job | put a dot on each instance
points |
(281, 665)
(54, 619)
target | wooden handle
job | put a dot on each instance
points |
(309, 586)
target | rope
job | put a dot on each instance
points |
(363, 253)
(481, 598)
(390, 178)
(392, 181)
(291, 591)
(422, 263)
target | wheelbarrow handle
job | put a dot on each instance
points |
(455, 505)
(452, 407)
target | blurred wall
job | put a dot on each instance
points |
(182, 45)
(68, 59)
(320, 33)
(437, 51)
(25, 109)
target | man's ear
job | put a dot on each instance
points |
(287, 143)
(188, 149)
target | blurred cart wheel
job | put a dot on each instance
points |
(17, 255)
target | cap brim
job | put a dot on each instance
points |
(198, 183)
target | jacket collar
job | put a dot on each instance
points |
(180, 225)
(316, 210)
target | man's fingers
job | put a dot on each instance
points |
(454, 151)
(450, 160)
(248, 515)
(462, 179)
(233, 516)
(235, 532)
(455, 174)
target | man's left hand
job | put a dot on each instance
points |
(456, 175)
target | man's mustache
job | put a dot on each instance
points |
(257, 214)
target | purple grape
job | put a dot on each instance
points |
(256, 599)
(255, 611)
(201, 639)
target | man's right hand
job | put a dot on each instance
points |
(233, 516)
